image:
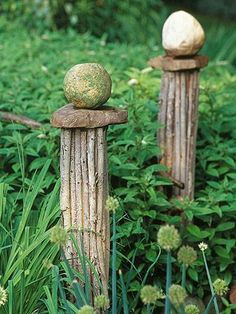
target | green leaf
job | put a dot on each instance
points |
(213, 172)
(196, 232)
(193, 274)
(225, 226)
(222, 252)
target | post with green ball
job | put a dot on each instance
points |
(83, 166)
(182, 38)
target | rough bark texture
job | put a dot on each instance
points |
(168, 63)
(84, 192)
(8, 116)
(71, 117)
(178, 116)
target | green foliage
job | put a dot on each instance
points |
(122, 20)
(25, 243)
(31, 76)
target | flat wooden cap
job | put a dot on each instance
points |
(71, 117)
(168, 63)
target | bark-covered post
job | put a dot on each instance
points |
(83, 165)
(182, 38)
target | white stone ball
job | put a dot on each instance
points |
(182, 35)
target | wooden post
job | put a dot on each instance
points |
(178, 107)
(84, 183)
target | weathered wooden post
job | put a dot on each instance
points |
(182, 38)
(83, 165)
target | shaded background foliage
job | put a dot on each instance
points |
(38, 43)
(118, 20)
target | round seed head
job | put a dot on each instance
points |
(177, 295)
(187, 255)
(101, 302)
(220, 287)
(150, 294)
(58, 235)
(168, 238)
(86, 309)
(87, 85)
(112, 204)
(191, 309)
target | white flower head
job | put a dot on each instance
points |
(146, 70)
(44, 69)
(203, 246)
(41, 135)
(3, 296)
(132, 82)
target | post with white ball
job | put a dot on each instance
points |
(83, 166)
(182, 38)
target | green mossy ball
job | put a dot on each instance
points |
(87, 85)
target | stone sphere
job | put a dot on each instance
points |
(87, 85)
(182, 35)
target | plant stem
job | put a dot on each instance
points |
(210, 283)
(148, 309)
(168, 282)
(181, 309)
(207, 311)
(114, 279)
(183, 283)
(124, 294)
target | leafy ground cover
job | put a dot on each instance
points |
(32, 69)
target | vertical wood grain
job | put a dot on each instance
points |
(84, 190)
(178, 115)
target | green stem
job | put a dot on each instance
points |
(207, 311)
(168, 282)
(181, 309)
(211, 285)
(148, 309)
(183, 283)
(114, 279)
(124, 294)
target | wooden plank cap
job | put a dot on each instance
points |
(168, 63)
(71, 117)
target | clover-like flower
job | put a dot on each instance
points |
(187, 255)
(58, 235)
(191, 309)
(177, 295)
(86, 309)
(150, 294)
(3, 296)
(203, 246)
(220, 287)
(101, 302)
(168, 238)
(112, 204)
